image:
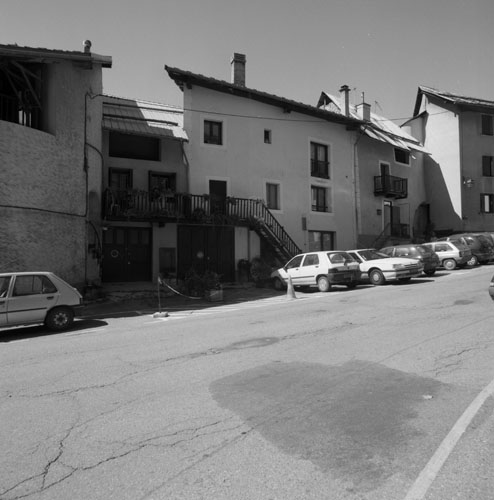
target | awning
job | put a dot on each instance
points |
(143, 118)
(394, 141)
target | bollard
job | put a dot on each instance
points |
(290, 291)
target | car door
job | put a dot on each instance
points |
(32, 296)
(293, 269)
(309, 269)
(4, 291)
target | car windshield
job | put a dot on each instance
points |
(372, 255)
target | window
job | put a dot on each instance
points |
(321, 240)
(213, 132)
(487, 167)
(267, 136)
(31, 285)
(120, 179)
(487, 203)
(487, 127)
(161, 184)
(402, 156)
(319, 199)
(311, 260)
(319, 164)
(295, 262)
(273, 196)
(136, 147)
(20, 93)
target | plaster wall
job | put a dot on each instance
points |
(43, 189)
(474, 147)
(246, 162)
(443, 174)
(371, 153)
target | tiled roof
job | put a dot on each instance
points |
(379, 127)
(139, 117)
(183, 78)
(37, 54)
(456, 99)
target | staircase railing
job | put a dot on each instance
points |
(136, 204)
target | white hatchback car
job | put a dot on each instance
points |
(28, 298)
(379, 267)
(321, 269)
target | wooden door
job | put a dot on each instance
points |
(127, 254)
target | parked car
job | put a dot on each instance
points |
(424, 254)
(491, 288)
(37, 297)
(321, 269)
(379, 267)
(451, 254)
(481, 253)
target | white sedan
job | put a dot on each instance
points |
(379, 267)
(28, 298)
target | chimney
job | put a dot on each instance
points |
(364, 109)
(238, 69)
(345, 90)
(87, 46)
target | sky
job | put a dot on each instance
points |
(294, 48)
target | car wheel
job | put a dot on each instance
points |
(473, 261)
(323, 284)
(449, 264)
(430, 272)
(59, 318)
(376, 277)
(351, 285)
(278, 284)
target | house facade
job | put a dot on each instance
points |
(290, 163)
(145, 182)
(391, 200)
(50, 138)
(459, 174)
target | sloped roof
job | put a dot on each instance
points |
(41, 55)
(379, 127)
(467, 103)
(183, 78)
(131, 116)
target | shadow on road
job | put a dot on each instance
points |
(29, 332)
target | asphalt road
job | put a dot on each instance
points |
(378, 393)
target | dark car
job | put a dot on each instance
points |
(429, 259)
(491, 288)
(478, 244)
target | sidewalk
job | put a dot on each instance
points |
(127, 299)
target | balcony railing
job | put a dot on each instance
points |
(203, 209)
(391, 186)
(12, 111)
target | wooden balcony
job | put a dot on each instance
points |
(137, 205)
(390, 186)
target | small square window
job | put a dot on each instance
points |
(213, 132)
(267, 136)
(402, 156)
(321, 240)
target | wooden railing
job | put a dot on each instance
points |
(141, 205)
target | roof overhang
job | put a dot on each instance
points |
(187, 79)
